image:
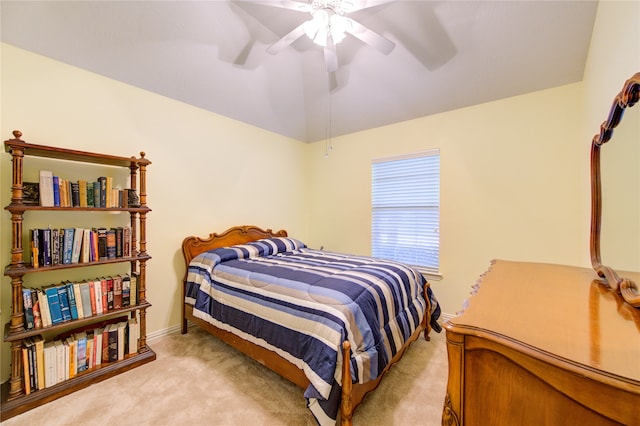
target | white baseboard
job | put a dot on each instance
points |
(165, 332)
(445, 316)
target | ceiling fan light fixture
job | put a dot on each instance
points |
(327, 21)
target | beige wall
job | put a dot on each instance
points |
(514, 172)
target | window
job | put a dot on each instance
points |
(405, 202)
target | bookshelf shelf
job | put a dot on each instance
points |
(15, 399)
(16, 271)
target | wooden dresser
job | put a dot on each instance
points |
(542, 344)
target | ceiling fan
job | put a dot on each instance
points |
(329, 25)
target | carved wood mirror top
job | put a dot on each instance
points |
(628, 96)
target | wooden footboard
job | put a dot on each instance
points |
(352, 394)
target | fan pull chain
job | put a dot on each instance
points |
(328, 145)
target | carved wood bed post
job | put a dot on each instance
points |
(346, 404)
(628, 96)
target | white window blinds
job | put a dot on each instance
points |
(405, 201)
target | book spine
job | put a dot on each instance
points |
(54, 305)
(27, 307)
(37, 315)
(117, 292)
(90, 196)
(103, 191)
(64, 302)
(73, 307)
(75, 194)
(111, 244)
(119, 241)
(126, 291)
(96, 194)
(56, 191)
(67, 249)
(46, 188)
(35, 248)
(55, 246)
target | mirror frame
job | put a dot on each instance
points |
(628, 96)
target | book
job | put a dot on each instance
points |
(26, 372)
(122, 339)
(117, 292)
(75, 194)
(78, 236)
(133, 280)
(73, 308)
(45, 313)
(35, 248)
(45, 247)
(105, 294)
(50, 374)
(111, 243)
(109, 191)
(110, 305)
(61, 361)
(37, 315)
(103, 191)
(97, 345)
(90, 197)
(40, 366)
(92, 297)
(63, 297)
(27, 309)
(134, 334)
(46, 188)
(77, 295)
(96, 194)
(54, 305)
(126, 291)
(85, 251)
(112, 354)
(67, 246)
(81, 351)
(119, 241)
(105, 344)
(126, 242)
(72, 357)
(86, 299)
(82, 193)
(97, 285)
(62, 184)
(94, 245)
(55, 246)
(90, 360)
(102, 243)
(56, 191)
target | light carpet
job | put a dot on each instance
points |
(198, 380)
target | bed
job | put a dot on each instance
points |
(301, 311)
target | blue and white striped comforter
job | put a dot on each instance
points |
(303, 303)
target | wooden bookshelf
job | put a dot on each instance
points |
(14, 398)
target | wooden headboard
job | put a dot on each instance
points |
(193, 246)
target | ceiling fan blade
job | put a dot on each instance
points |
(285, 4)
(285, 41)
(370, 37)
(331, 56)
(364, 4)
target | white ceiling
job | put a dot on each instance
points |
(212, 54)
